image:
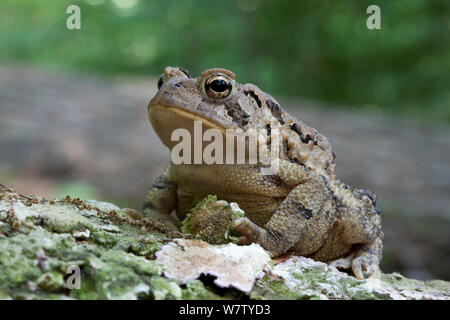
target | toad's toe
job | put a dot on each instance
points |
(366, 262)
(343, 263)
(249, 230)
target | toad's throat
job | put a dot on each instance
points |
(171, 122)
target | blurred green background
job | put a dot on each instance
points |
(315, 49)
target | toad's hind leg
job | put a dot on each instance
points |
(364, 257)
(362, 229)
(306, 210)
(368, 257)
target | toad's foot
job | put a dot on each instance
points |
(343, 263)
(270, 240)
(366, 261)
(250, 231)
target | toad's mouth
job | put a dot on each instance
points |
(166, 120)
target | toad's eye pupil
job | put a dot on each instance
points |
(160, 82)
(220, 85)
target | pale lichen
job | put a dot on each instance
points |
(232, 265)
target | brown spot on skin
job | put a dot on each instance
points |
(235, 111)
(275, 235)
(304, 137)
(306, 213)
(254, 96)
(269, 130)
(273, 180)
(286, 146)
(275, 109)
(328, 187)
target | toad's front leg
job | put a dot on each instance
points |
(161, 200)
(306, 210)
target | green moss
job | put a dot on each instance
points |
(65, 218)
(435, 287)
(34, 259)
(315, 282)
(51, 281)
(19, 256)
(140, 245)
(211, 221)
(438, 285)
(189, 224)
(165, 289)
(279, 290)
(210, 198)
(195, 290)
(115, 274)
(117, 262)
(313, 276)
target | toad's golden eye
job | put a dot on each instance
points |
(218, 86)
